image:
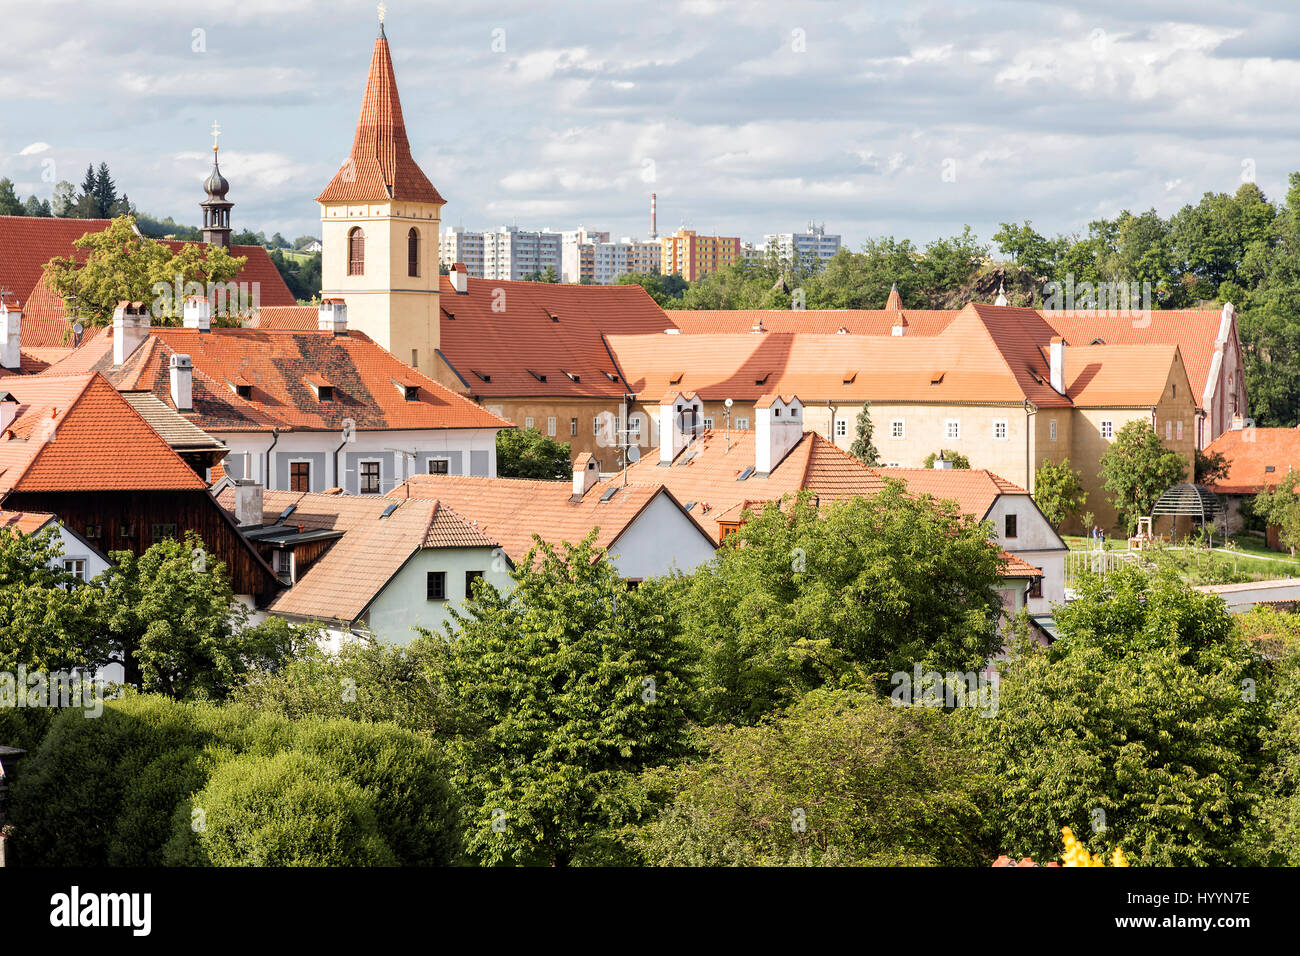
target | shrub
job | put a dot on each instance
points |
(290, 809)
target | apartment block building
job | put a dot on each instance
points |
(812, 241)
(458, 245)
(693, 256)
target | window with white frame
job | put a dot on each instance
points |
(370, 477)
(75, 567)
(897, 428)
(595, 425)
(841, 428)
(952, 428)
(1169, 431)
(439, 466)
(1051, 430)
(1000, 429)
(550, 426)
(742, 424)
(1108, 430)
(529, 421)
(708, 422)
(1178, 429)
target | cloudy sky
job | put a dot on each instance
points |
(745, 117)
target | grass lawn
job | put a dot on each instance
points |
(1246, 558)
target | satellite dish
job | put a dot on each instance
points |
(727, 403)
(78, 328)
(633, 454)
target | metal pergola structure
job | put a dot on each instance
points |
(1191, 501)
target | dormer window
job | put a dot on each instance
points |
(244, 391)
(322, 387)
(411, 392)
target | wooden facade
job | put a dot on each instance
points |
(133, 520)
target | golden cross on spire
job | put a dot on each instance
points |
(216, 131)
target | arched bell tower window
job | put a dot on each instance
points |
(413, 252)
(356, 252)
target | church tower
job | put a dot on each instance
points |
(380, 218)
(216, 208)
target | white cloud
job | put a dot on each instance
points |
(34, 149)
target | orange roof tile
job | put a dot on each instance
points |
(495, 332)
(342, 583)
(277, 365)
(78, 434)
(816, 321)
(974, 490)
(1098, 376)
(24, 522)
(1014, 566)
(1258, 458)
(27, 243)
(380, 167)
(512, 510)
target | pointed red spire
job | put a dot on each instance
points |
(895, 301)
(380, 167)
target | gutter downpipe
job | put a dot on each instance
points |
(266, 475)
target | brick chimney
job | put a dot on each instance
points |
(680, 420)
(586, 472)
(459, 278)
(778, 427)
(130, 329)
(11, 334)
(333, 316)
(182, 382)
(197, 314)
(1056, 355)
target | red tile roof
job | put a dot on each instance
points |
(368, 381)
(512, 510)
(24, 522)
(1098, 376)
(380, 167)
(27, 243)
(1195, 331)
(974, 490)
(342, 583)
(498, 333)
(1250, 453)
(78, 434)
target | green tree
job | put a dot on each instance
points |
(527, 453)
(1138, 728)
(1211, 467)
(65, 198)
(957, 458)
(840, 778)
(36, 207)
(10, 204)
(862, 447)
(1280, 507)
(48, 619)
(1136, 469)
(1058, 492)
(801, 598)
(666, 290)
(569, 687)
(173, 616)
(104, 193)
(120, 265)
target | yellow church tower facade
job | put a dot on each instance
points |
(380, 219)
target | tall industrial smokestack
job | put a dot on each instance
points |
(654, 226)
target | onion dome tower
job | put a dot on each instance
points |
(216, 208)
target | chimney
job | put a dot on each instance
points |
(8, 410)
(1056, 355)
(900, 326)
(248, 503)
(942, 464)
(130, 329)
(654, 218)
(586, 472)
(333, 316)
(11, 334)
(679, 421)
(197, 313)
(459, 278)
(778, 424)
(182, 376)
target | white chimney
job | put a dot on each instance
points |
(899, 327)
(459, 278)
(333, 316)
(248, 503)
(197, 314)
(942, 464)
(11, 335)
(586, 472)
(8, 410)
(680, 420)
(130, 329)
(182, 375)
(1056, 355)
(778, 428)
